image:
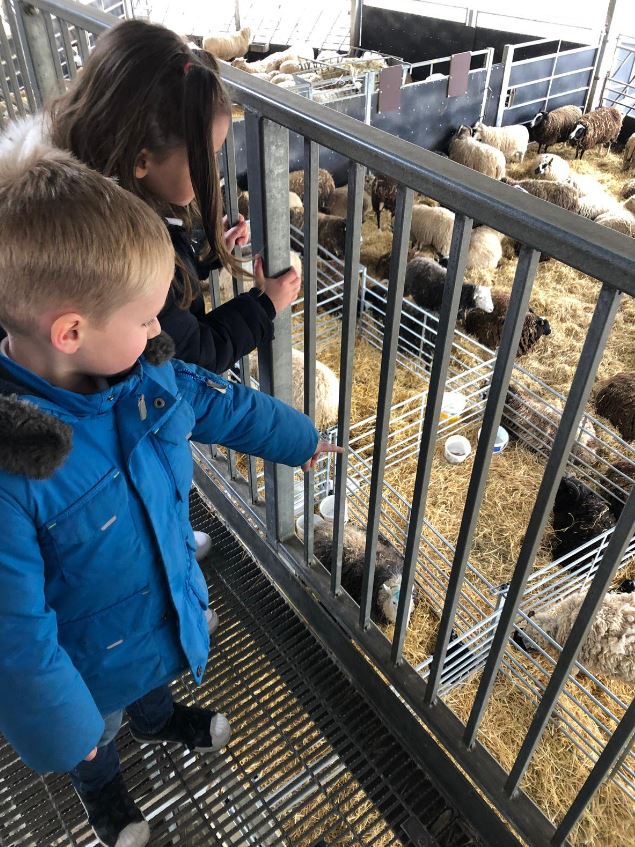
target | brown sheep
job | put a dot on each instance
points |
(559, 193)
(331, 231)
(383, 195)
(628, 189)
(339, 203)
(602, 126)
(549, 128)
(326, 187)
(243, 202)
(488, 328)
(615, 400)
(622, 476)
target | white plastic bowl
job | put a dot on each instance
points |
(299, 524)
(327, 508)
(452, 406)
(457, 449)
(501, 441)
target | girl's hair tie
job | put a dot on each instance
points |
(186, 67)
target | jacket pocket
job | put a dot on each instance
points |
(171, 441)
(94, 533)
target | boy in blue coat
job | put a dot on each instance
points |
(102, 603)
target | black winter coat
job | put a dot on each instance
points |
(216, 339)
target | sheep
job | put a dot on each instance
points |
(273, 61)
(226, 284)
(621, 220)
(602, 126)
(471, 153)
(339, 203)
(486, 250)
(629, 153)
(594, 200)
(615, 400)
(228, 47)
(550, 166)
(559, 193)
(432, 226)
(628, 189)
(326, 187)
(535, 423)
(282, 80)
(629, 205)
(579, 515)
(327, 388)
(609, 647)
(388, 569)
(425, 283)
(488, 328)
(549, 128)
(621, 475)
(511, 140)
(331, 231)
(383, 195)
(243, 202)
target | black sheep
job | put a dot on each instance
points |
(579, 515)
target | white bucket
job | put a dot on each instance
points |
(501, 441)
(457, 449)
(299, 524)
(452, 406)
(327, 508)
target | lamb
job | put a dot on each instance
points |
(388, 569)
(622, 476)
(511, 140)
(432, 227)
(621, 220)
(602, 126)
(628, 189)
(467, 151)
(327, 388)
(383, 195)
(339, 203)
(615, 400)
(559, 193)
(550, 166)
(326, 187)
(629, 205)
(486, 250)
(629, 153)
(425, 283)
(579, 515)
(488, 328)
(553, 127)
(243, 202)
(228, 47)
(535, 423)
(609, 647)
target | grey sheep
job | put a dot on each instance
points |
(602, 126)
(339, 203)
(383, 195)
(388, 569)
(467, 151)
(488, 328)
(579, 515)
(243, 202)
(425, 283)
(609, 647)
(331, 231)
(326, 187)
(549, 128)
(615, 400)
(559, 193)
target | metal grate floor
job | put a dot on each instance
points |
(309, 765)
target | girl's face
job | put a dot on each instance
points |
(168, 176)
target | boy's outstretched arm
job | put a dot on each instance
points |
(46, 711)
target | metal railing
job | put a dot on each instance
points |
(271, 114)
(619, 85)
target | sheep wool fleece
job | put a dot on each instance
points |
(101, 599)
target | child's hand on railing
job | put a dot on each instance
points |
(281, 290)
(323, 447)
(236, 235)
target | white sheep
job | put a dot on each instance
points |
(629, 205)
(511, 140)
(228, 47)
(486, 249)
(272, 63)
(327, 388)
(432, 227)
(620, 220)
(283, 80)
(609, 648)
(467, 151)
(629, 153)
(550, 166)
(594, 199)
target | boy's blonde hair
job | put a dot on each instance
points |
(69, 237)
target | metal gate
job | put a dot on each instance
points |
(619, 86)
(412, 704)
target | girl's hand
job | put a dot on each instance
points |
(323, 447)
(236, 235)
(91, 755)
(281, 290)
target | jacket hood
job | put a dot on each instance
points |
(35, 443)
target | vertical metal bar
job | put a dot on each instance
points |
(601, 323)
(611, 560)
(603, 57)
(309, 267)
(268, 174)
(237, 14)
(57, 62)
(68, 49)
(41, 51)
(369, 89)
(617, 743)
(84, 48)
(356, 23)
(397, 273)
(489, 61)
(349, 312)
(20, 48)
(508, 59)
(459, 250)
(519, 301)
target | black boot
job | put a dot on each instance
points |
(195, 728)
(114, 817)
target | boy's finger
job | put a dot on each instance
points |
(91, 755)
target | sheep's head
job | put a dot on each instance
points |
(578, 133)
(388, 599)
(544, 163)
(464, 132)
(570, 491)
(483, 298)
(543, 326)
(538, 119)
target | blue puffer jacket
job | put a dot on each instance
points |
(101, 598)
